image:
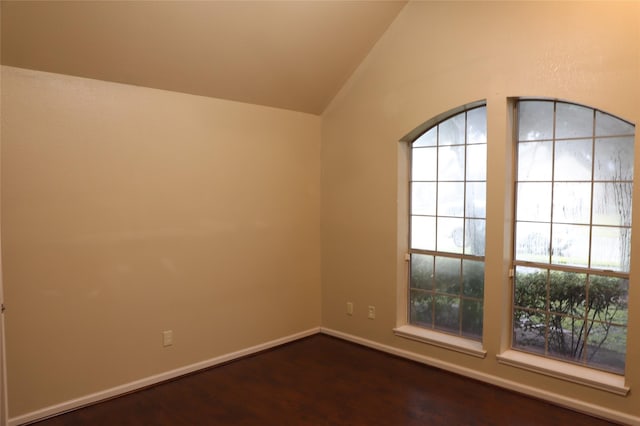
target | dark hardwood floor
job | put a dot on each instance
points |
(321, 380)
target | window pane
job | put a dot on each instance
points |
(474, 237)
(472, 318)
(473, 278)
(452, 131)
(447, 275)
(423, 197)
(535, 120)
(570, 245)
(566, 337)
(424, 164)
(429, 138)
(477, 125)
(476, 199)
(573, 160)
(450, 234)
(423, 232)
(572, 202)
(567, 293)
(607, 346)
(610, 248)
(529, 329)
(451, 163)
(477, 162)
(530, 288)
(572, 315)
(421, 308)
(534, 161)
(612, 204)
(608, 125)
(447, 313)
(614, 159)
(422, 271)
(608, 298)
(534, 202)
(532, 241)
(573, 121)
(448, 215)
(451, 199)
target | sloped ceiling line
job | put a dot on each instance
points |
(286, 54)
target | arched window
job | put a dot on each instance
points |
(572, 233)
(447, 224)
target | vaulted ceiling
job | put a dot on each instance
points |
(287, 54)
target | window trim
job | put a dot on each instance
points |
(567, 371)
(441, 339)
(415, 133)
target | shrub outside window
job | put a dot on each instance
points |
(447, 220)
(572, 233)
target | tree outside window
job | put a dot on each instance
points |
(447, 237)
(572, 233)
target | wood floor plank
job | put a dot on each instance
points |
(321, 380)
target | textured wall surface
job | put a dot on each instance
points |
(437, 56)
(127, 211)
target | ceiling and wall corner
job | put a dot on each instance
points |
(286, 54)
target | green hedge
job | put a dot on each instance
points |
(575, 312)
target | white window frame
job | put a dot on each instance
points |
(404, 329)
(560, 369)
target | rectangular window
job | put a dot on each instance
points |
(447, 225)
(572, 233)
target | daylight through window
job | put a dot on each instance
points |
(447, 237)
(572, 233)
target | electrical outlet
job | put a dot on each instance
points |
(372, 312)
(349, 308)
(167, 338)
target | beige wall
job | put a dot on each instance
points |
(127, 211)
(434, 57)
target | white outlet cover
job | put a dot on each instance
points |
(167, 338)
(372, 312)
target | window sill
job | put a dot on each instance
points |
(447, 341)
(565, 371)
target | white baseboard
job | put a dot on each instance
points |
(152, 380)
(564, 401)
(572, 403)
